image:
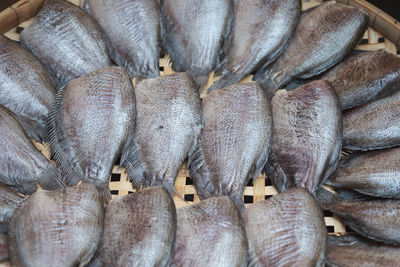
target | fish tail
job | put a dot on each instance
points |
(200, 80)
(52, 179)
(237, 200)
(326, 198)
(104, 192)
(228, 78)
(268, 84)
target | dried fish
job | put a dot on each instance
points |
(57, 228)
(306, 138)
(260, 32)
(139, 229)
(68, 42)
(234, 143)
(22, 164)
(375, 125)
(133, 28)
(167, 125)
(9, 201)
(286, 230)
(90, 124)
(324, 36)
(375, 173)
(210, 233)
(195, 31)
(26, 88)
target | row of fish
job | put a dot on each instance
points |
(68, 227)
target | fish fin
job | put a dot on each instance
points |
(39, 135)
(52, 179)
(351, 195)
(268, 84)
(275, 173)
(104, 190)
(130, 159)
(237, 200)
(228, 78)
(23, 188)
(200, 175)
(61, 151)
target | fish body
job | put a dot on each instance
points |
(374, 173)
(260, 32)
(286, 230)
(9, 201)
(324, 36)
(133, 28)
(376, 219)
(90, 123)
(57, 228)
(139, 229)
(349, 251)
(362, 77)
(22, 164)
(234, 143)
(26, 88)
(210, 233)
(194, 34)
(306, 138)
(374, 125)
(68, 42)
(167, 125)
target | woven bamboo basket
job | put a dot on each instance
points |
(19, 16)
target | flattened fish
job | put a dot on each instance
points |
(375, 173)
(286, 230)
(68, 42)
(90, 124)
(306, 138)
(22, 165)
(377, 219)
(139, 229)
(234, 142)
(324, 36)
(350, 251)
(260, 32)
(3, 248)
(57, 228)
(133, 27)
(26, 88)
(210, 233)
(195, 31)
(9, 201)
(375, 125)
(365, 76)
(167, 125)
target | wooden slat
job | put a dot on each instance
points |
(18, 13)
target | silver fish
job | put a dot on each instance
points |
(306, 138)
(286, 230)
(362, 77)
(375, 173)
(9, 201)
(57, 228)
(139, 229)
(22, 164)
(377, 219)
(260, 32)
(210, 233)
(26, 88)
(133, 27)
(195, 31)
(374, 125)
(90, 124)
(167, 125)
(234, 142)
(351, 250)
(68, 42)
(324, 36)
